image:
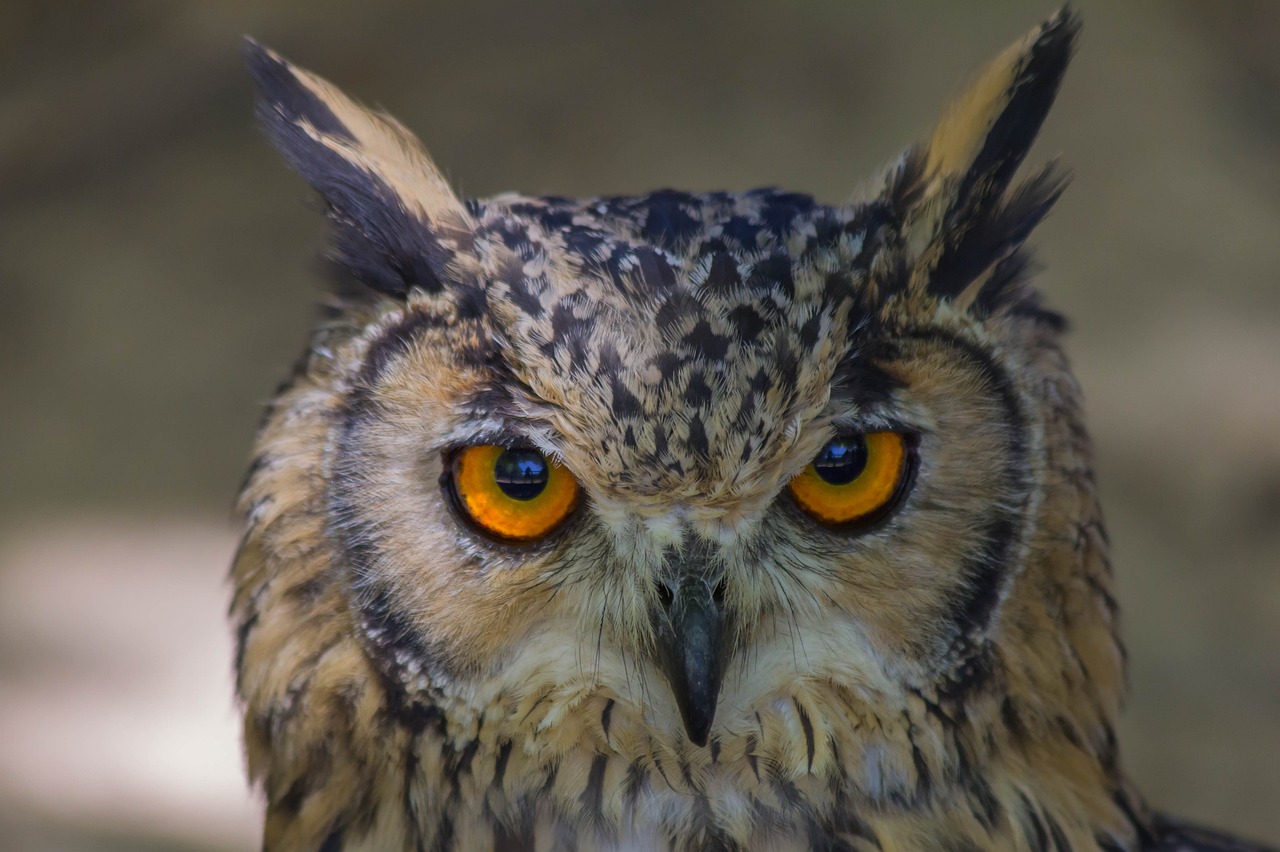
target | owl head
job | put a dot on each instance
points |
(729, 475)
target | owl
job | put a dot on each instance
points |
(722, 521)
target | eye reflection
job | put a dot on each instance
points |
(841, 460)
(521, 474)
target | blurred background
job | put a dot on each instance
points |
(157, 277)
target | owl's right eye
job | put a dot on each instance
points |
(512, 493)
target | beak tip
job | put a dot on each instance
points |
(698, 728)
(696, 697)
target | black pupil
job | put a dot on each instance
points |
(841, 460)
(521, 474)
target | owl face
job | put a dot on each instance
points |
(740, 479)
(685, 388)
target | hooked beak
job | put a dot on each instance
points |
(690, 627)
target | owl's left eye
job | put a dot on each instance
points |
(512, 493)
(854, 478)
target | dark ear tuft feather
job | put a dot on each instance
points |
(989, 242)
(962, 224)
(397, 225)
(283, 97)
(1035, 78)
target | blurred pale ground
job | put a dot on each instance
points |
(156, 279)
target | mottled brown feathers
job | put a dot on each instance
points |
(945, 678)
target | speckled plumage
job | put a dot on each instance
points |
(948, 678)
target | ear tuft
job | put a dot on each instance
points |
(982, 266)
(986, 132)
(398, 225)
(283, 95)
(962, 226)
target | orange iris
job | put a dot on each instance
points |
(853, 477)
(516, 494)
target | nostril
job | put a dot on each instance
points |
(666, 595)
(718, 593)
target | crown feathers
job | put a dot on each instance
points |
(397, 223)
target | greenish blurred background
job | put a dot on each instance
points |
(157, 277)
